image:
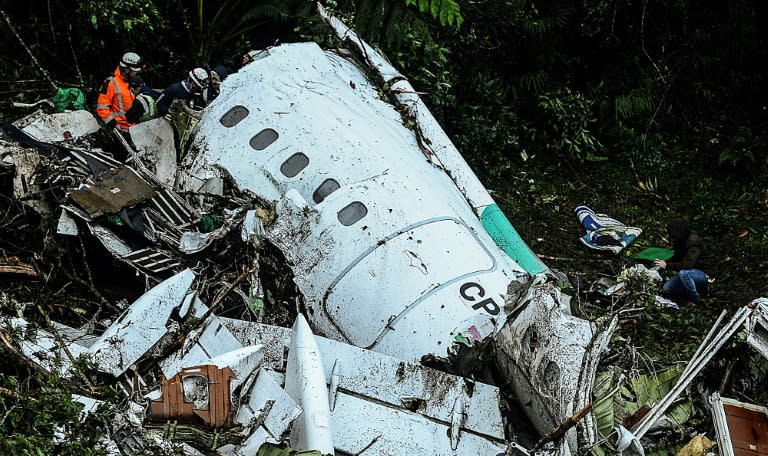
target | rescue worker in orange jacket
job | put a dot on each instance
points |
(115, 96)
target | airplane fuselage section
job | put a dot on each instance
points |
(382, 243)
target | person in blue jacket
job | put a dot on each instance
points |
(190, 90)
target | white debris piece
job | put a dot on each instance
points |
(58, 127)
(141, 326)
(47, 350)
(154, 142)
(66, 225)
(388, 406)
(305, 383)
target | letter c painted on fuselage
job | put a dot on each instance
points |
(486, 304)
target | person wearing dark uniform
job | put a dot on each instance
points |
(218, 74)
(690, 261)
(190, 90)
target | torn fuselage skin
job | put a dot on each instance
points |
(383, 245)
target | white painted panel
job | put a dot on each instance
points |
(399, 272)
(389, 432)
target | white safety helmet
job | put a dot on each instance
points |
(200, 77)
(131, 61)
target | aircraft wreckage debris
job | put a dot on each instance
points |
(281, 221)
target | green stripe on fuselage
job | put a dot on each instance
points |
(506, 237)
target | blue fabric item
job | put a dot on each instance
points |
(604, 232)
(591, 221)
(688, 284)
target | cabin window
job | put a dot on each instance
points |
(326, 188)
(263, 139)
(234, 116)
(294, 164)
(352, 213)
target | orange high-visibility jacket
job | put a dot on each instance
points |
(115, 98)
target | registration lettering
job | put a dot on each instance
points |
(472, 292)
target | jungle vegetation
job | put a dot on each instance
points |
(642, 109)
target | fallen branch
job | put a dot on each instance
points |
(34, 59)
(8, 393)
(178, 343)
(554, 258)
(13, 265)
(558, 432)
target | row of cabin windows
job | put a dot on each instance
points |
(348, 215)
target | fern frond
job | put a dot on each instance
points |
(534, 82)
(638, 101)
(540, 27)
(450, 13)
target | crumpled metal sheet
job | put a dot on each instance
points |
(141, 326)
(757, 326)
(58, 127)
(111, 190)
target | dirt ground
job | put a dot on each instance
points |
(540, 204)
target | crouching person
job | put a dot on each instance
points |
(690, 261)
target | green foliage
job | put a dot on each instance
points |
(645, 151)
(742, 147)
(34, 410)
(599, 17)
(487, 130)
(376, 19)
(395, 25)
(535, 81)
(715, 205)
(131, 21)
(629, 396)
(269, 449)
(427, 64)
(568, 115)
(637, 102)
(541, 26)
(446, 11)
(758, 375)
(491, 139)
(214, 27)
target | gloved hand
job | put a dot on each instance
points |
(112, 124)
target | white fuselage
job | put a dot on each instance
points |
(384, 247)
